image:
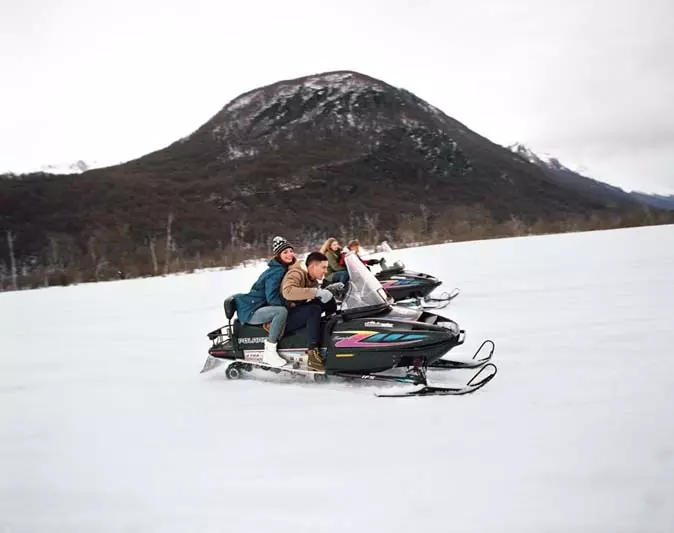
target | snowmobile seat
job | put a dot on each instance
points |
(365, 312)
(230, 306)
(395, 268)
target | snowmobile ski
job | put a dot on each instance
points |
(475, 383)
(444, 297)
(481, 357)
(431, 302)
(238, 366)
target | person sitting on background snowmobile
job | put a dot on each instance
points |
(264, 303)
(354, 246)
(307, 302)
(336, 272)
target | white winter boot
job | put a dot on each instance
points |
(271, 357)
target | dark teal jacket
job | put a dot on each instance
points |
(265, 291)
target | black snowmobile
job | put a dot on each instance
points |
(412, 289)
(366, 339)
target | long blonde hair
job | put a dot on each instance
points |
(326, 245)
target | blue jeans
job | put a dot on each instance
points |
(342, 276)
(276, 314)
(308, 315)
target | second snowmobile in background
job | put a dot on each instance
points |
(410, 288)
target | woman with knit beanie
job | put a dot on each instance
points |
(264, 303)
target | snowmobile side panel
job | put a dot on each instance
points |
(403, 284)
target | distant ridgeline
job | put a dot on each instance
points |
(336, 154)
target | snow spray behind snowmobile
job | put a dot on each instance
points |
(367, 337)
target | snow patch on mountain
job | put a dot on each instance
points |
(525, 152)
(337, 84)
(326, 107)
(234, 152)
(334, 94)
(545, 159)
(76, 167)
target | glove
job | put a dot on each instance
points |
(335, 288)
(324, 295)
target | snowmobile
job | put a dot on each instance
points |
(366, 339)
(410, 288)
(413, 289)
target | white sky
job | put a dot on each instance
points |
(588, 81)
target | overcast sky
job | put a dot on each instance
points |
(588, 81)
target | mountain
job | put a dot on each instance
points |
(75, 167)
(659, 201)
(588, 186)
(338, 153)
(344, 135)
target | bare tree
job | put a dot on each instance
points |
(169, 240)
(91, 247)
(152, 244)
(515, 226)
(237, 232)
(353, 224)
(10, 243)
(424, 217)
(3, 275)
(54, 260)
(371, 227)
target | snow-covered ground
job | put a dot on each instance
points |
(107, 425)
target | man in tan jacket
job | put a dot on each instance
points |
(306, 302)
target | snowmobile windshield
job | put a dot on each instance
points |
(397, 265)
(364, 289)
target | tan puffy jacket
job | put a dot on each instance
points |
(297, 286)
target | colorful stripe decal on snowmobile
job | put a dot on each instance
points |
(399, 282)
(376, 339)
